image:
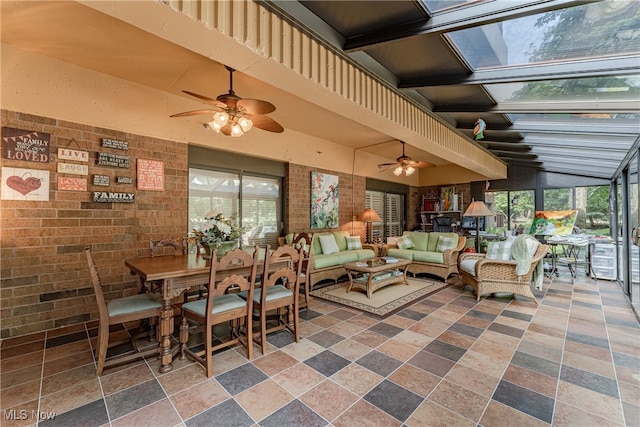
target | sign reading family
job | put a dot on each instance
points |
(26, 145)
(111, 197)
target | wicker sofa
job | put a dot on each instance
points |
(331, 266)
(488, 276)
(424, 254)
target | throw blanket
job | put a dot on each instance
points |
(520, 253)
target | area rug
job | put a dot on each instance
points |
(384, 301)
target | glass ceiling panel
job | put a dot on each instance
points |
(584, 89)
(611, 27)
(442, 5)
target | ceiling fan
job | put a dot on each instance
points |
(404, 164)
(233, 115)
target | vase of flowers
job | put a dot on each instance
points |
(218, 231)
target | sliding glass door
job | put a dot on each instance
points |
(255, 200)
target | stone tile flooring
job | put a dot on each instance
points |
(573, 360)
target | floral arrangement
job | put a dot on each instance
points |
(217, 228)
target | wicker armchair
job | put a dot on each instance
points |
(491, 276)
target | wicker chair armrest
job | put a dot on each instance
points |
(451, 255)
(391, 246)
(370, 246)
(470, 255)
(496, 269)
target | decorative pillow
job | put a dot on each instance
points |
(445, 243)
(499, 250)
(353, 242)
(328, 244)
(404, 242)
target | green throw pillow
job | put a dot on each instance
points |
(404, 242)
(445, 243)
(353, 243)
(499, 250)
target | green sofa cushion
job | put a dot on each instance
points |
(419, 239)
(341, 239)
(331, 260)
(427, 256)
(401, 253)
(433, 240)
(364, 254)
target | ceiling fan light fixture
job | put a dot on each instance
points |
(245, 123)
(236, 130)
(222, 118)
(397, 171)
(215, 126)
(409, 170)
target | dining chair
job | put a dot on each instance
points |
(119, 311)
(279, 291)
(223, 305)
(303, 241)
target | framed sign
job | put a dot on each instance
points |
(150, 175)
(25, 184)
(26, 145)
(72, 183)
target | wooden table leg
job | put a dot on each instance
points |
(166, 329)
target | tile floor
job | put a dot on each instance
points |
(447, 360)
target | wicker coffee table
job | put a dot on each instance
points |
(374, 274)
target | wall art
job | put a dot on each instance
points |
(150, 175)
(26, 145)
(324, 201)
(25, 184)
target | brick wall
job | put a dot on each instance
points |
(44, 279)
(298, 203)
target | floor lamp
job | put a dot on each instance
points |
(477, 209)
(369, 216)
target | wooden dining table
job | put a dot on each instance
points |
(176, 274)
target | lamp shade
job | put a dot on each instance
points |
(369, 215)
(478, 208)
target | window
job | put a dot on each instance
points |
(511, 209)
(592, 204)
(256, 200)
(558, 199)
(390, 207)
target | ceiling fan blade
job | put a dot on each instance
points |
(266, 123)
(193, 113)
(386, 166)
(206, 99)
(256, 106)
(418, 164)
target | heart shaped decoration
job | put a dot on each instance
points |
(23, 186)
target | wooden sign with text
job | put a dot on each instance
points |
(150, 175)
(72, 183)
(26, 145)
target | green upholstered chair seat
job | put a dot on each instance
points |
(273, 293)
(133, 304)
(221, 304)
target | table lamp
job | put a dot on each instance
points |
(369, 216)
(477, 209)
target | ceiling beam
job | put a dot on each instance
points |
(576, 107)
(505, 146)
(514, 155)
(568, 69)
(456, 19)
